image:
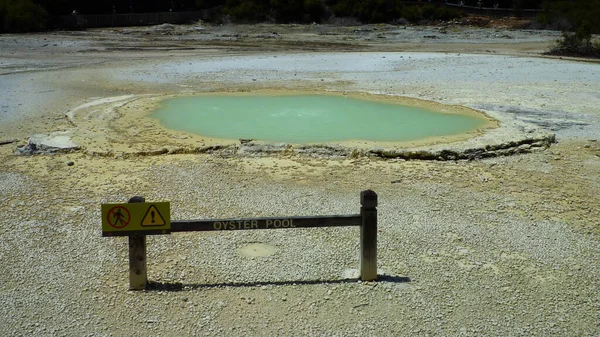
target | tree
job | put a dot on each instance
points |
(286, 11)
(21, 16)
(315, 9)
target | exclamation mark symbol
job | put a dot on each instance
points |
(152, 213)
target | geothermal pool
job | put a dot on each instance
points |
(308, 118)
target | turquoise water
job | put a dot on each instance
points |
(307, 119)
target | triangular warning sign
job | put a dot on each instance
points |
(153, 217)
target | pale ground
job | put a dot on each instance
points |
(506, 246)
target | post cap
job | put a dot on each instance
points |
(137, 199)
(368, 198)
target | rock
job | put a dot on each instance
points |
(70, 163)
(45, 144)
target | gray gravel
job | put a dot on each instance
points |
(452, 261)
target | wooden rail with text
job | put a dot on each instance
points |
(366, 220)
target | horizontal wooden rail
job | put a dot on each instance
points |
(265, 223)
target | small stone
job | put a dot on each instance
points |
(70, 163)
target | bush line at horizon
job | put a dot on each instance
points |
(578, 43)
(576, 18)
(31, 15)
(569, 16)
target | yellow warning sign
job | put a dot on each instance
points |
(153, 217)
(136, 218)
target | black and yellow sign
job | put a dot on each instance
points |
(136, 218)
(153, 217)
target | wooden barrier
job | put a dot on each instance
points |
(367, 220)
(138, 275)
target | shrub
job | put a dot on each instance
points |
(412, 14)
(286, 11)
(345, 21)
(428, 12)
(246, 10)
(445, 13)
(21, 16)
(570, 14)
(577, 43)
(315, 10)
(367, 11)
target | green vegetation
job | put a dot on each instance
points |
(304, 11)
(376, 11)
(570, 15)
(578, 19)
(367, 11)
(21, 16)
(281, 11)
(577, 43)
(248, 10)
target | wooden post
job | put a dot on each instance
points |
(368, 236)
(138, 276)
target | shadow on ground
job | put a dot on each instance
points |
(178, 286)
